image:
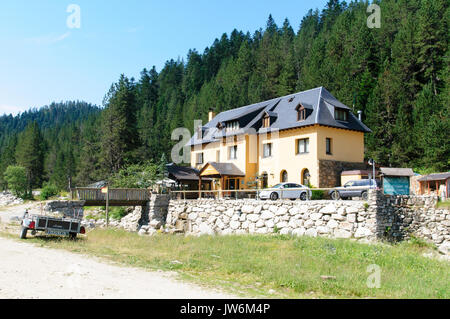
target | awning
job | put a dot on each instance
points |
(218, 170)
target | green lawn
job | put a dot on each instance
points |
(288, 267)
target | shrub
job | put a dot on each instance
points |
(48, 191)
(118, 213)
(317, 194)
(16, 177)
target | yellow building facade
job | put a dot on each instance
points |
(275, 143)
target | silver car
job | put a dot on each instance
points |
(286, 191)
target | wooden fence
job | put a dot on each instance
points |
(116, 195)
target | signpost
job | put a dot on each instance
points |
(105, 190)
(394, 185)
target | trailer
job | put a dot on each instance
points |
(70, 227)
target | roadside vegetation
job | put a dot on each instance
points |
(275, 265)
(443, 204)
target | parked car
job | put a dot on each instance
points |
(359, 188)
(286, 191)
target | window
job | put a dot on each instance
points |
(199, 158)
(266, 121)
(218, 156)
(303, 146)
(328, 145)
(340, 114)
(232, 152)
(301, 113)
(233, 126)
(267, 150)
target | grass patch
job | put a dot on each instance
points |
(443, 204)
(289, 265)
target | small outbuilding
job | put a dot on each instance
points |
(186, 178)
(396, 181)
(438, 183)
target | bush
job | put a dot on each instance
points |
(317, 194)
(118, 213)
(49, 191)
(16, 177)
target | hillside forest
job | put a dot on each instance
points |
(397, 75)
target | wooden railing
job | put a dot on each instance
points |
(115, 194)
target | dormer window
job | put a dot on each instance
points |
(301, 113)
(220, 125)
(232, 126)
(340, 114)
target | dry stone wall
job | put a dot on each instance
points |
(383, 217)
(61, 208)
(343, 219)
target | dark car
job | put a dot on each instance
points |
(359, 188)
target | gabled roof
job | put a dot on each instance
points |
(435, 177)
(182, 173)
(319, 102)
(392, 171)
(221, 169)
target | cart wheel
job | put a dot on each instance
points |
(72, 235)
(23, 233)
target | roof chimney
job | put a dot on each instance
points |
(211, 115)
(360, 115)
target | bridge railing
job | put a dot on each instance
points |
(115, 194)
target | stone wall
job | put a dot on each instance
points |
(400, 217)
(143, 219)
(343, 219)
(69, 209)
(383, 217)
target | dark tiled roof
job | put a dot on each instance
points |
(226, 169)
(100, 184)
(181, 173)
(435, 177)
(319, 102)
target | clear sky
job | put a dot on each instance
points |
(43, 60)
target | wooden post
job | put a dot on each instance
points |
(199, 187)
(107, 206)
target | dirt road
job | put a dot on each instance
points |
(29, 271)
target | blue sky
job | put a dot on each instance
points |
(43, 60)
